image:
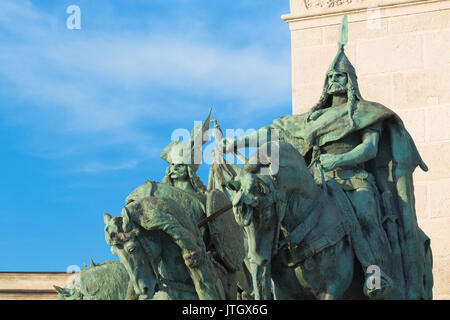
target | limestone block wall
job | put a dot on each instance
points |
(401, 52)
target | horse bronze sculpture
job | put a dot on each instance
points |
(163, 250)
(99, 281)
(298, 235)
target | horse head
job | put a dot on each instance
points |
(255, 205)
(68, 293)
(138, 253)
(260, 194)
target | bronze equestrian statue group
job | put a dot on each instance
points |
(323, 209)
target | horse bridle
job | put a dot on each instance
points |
(276, 198)
(303, 228)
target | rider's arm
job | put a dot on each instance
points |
(253, 140)
(365, 151)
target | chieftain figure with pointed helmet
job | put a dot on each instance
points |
(340, 81)
(184, 159)
(363, 148)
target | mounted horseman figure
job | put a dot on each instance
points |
(364, 148)
(158, 240)
(223, 237)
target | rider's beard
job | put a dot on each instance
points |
(174, 175)
(336, 88)
(177, 174)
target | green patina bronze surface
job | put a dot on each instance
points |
(327, 197)
(160, 245)
(364, 149)
(162, 249)
(105, 281)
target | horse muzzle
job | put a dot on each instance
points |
(144, 291)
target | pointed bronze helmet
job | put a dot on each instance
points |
(185, 153)
(178, 152)
(341, 63)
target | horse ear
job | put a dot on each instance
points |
(107, 218)
(93, 264)
(60, 290)
(127, 223)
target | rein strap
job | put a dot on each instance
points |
(299, 233)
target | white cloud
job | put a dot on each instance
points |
(106, 83)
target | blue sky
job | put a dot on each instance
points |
(84, 114)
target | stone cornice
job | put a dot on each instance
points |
(319, 13)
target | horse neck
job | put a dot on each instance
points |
(299, 190)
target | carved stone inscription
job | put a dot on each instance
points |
(326, 3)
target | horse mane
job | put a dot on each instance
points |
(294, 202)
(258, 160)
(166, 215)
(114, 233)
(108, 280)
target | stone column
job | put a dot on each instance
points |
(401, 52)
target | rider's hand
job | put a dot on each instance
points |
(227, 145)
(329, 161)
